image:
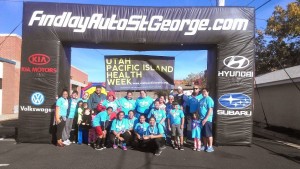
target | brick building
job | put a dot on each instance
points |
(78, 80)
(10, 58)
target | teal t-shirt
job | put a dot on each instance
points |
(73, 105)
(159, 114)
(143, 104)
(126, 104)
(132, 122)
(193, 103)
(175, 116)
(119, 125)
(113, 104)
(204, 105)
(141, 128)
(155, 130)
(100, 117)
(63, 105)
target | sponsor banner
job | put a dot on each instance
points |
(227, 112)
(79, 24)
(38, 63)
(235, 101)
(35, 109)
(236, 64)
(139, 72)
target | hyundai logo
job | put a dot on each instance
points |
(37, 98)
(235, 100)
(236, 62)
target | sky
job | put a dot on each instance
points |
(185, 61)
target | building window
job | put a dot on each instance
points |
(0, 83)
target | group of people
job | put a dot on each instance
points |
(144, 123)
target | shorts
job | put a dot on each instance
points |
(176, 130)
(98, 131)
(207, 129)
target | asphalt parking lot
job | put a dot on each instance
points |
(262, 154)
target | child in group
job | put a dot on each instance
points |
(101, 124)
(176, 123)
(92, 132)
(85, 124)
(196, 131)
(79, 119)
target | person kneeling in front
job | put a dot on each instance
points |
(154, 137)
(120, 131)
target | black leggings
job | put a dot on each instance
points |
(150, 144)
(60, 129)
(113, 140)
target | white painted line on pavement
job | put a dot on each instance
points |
(7, 139)
(4, 165)
(289, 144)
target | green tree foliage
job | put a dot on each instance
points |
(283, 50)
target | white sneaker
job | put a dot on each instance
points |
(69, 141)
(66, 142)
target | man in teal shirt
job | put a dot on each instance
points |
(206, 106)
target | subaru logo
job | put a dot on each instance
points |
(236, 62)
(37, 98)
(235, 100)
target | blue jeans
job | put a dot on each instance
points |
(83, 135)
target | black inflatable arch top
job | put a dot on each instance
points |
(51, 29)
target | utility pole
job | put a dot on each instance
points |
(220, 2)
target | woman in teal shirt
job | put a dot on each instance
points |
(143, 104)
(119, 131)
(62, 105)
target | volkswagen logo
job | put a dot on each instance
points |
(236, 62)
(235, 101)
(37, 98)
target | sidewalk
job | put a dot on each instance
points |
(269, 134)
(5, 117)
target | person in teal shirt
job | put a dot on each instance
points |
(127, 103)
(176, 125)
(111, 101)
(140, 130)
(206, 106)
(70, 118)
(62, 105)
(101, 123)
(143, 104)
(159, 114)
(154, 137)
(119, 131)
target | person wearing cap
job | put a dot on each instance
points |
(179, 96)
(111, 101)
(95, 98)
(143, 104)
(176, 125)
(127, 103)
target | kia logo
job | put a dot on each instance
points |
(236, 62)
(37, 98)
(235, 100)
(39, 59)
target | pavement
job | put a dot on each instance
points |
(265, 152)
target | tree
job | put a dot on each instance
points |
(194, 78)
(283, 50)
